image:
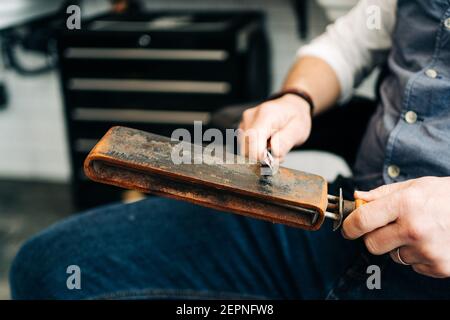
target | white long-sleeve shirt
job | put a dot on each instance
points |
(356, 42)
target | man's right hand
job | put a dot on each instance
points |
(285, 122)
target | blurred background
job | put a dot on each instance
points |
(151, 64)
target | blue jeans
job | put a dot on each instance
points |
(159, 248)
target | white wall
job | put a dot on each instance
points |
(18, 11)
(32, 133)
(32, 137)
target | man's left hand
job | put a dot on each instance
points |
(413, 216)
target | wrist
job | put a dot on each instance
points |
(297, 103)
(297, 96)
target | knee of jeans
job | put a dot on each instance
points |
(32, 272)
(21, 280)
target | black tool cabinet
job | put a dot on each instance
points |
(155, 71)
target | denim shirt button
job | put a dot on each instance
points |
(431, 73)
(393, 171)
(411, 117)
(447, 23)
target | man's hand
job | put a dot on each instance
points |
(414, 216)
(285, 122)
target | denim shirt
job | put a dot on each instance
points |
(409, 134)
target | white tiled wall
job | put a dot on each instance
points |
(32, 134)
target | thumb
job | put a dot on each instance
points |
(282, 141)
(381, 191)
